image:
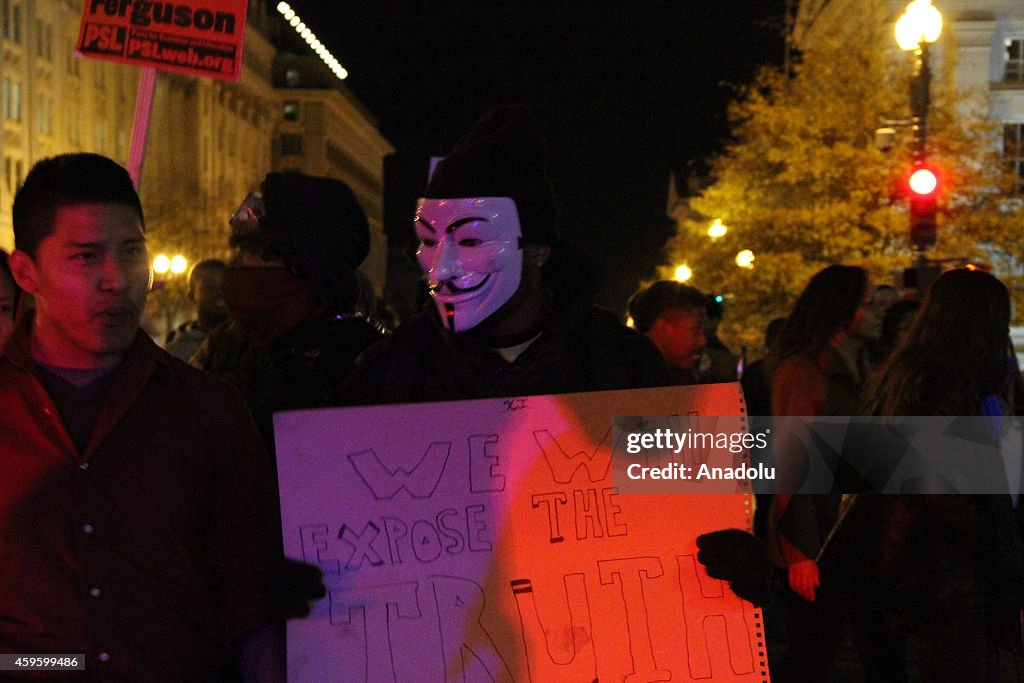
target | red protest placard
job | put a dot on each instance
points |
(195, 37)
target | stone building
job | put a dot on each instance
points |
(209, 141)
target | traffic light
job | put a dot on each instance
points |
(924, 186)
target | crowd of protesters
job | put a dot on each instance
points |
(97, 417)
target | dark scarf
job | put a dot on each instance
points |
(268, 302)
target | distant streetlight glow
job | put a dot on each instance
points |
(683, 273)
(717, 229)
(314, 44)
(175, 265)
(745, 259)
(920, 23)
(178, 264)
(161, 264)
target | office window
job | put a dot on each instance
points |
(16, 24)
(44, 40)
(291, 78)
(1014, 71)
(5, 17)
(291, 110)
(15, 101)
(1013, 151)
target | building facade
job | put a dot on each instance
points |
(210, 142)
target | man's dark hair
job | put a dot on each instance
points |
(208, 265)
(67, 180)
(646, 305)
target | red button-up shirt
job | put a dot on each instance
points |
(145, 551)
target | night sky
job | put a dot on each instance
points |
(626, 92)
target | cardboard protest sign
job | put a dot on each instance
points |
(486, 541)
(195, 37)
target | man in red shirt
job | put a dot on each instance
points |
(135, 497)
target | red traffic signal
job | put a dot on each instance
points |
(923, 184)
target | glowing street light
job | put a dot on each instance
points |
(170, 287)
(178, 264)
(717, 229)
(161, 264)
(745, 259)
(683, 273)
(175, 265)
(920, 23)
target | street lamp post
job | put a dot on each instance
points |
(169, 268)
(918, 27)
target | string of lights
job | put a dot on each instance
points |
(314, 43)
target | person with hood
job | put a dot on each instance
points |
(291, 292)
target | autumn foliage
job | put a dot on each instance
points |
(802, 184)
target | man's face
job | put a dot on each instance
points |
(470, 251)
(90, 277)
(207, 294)
(680, 335)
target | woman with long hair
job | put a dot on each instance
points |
(809, 378)
(955, 357)
(947, 569)
(803, 364)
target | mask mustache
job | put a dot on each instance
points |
(436, 287)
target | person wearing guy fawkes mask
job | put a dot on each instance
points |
(509, 317)
(512, 316)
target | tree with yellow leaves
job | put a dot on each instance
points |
(802, 184)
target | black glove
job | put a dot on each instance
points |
(292, 586)
(740, 559)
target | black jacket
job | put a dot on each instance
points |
(422, 361)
